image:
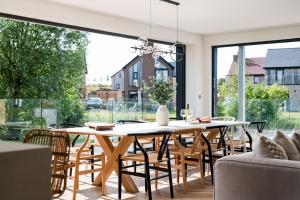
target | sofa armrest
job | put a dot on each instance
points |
(245, 177)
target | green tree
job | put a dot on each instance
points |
(44, 62)
(263, 102)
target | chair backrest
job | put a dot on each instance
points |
(163, 146)
(59, 143)
(66, 125)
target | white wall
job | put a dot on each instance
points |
(234, 38)
(45, 10)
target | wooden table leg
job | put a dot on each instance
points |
(111, 165)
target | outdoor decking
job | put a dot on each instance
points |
(89, 192)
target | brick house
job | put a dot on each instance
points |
(254, 69)
(129, 79)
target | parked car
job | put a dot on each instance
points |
(93, 103)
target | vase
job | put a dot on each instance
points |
(162, 115)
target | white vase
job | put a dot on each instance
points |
(162, 115)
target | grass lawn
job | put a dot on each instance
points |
(107, 116)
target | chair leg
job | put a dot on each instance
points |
(156, 175)
(76, 179)
(183, 174)
(148, 180)
(134, 151)
(92, 162)
(203, 161)
(177, 170)
(170, 178)
(211, 165)
(120, 178)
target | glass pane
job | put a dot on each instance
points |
(276, 98)
(227, 82)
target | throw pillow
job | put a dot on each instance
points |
(266, 148)
(296, 139)
(287, 144)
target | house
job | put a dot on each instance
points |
(129, 80)
(254, 69)
(282, 66)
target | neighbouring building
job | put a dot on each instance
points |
(130, 78)
(282, 67)
(254, 69)
(109, 95)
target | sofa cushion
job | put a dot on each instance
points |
(266, 148)
(287, 144)
(296, 139)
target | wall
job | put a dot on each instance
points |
(278, 33)
(46, 10)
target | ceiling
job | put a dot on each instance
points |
(200, 16)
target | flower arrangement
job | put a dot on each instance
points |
(159, 91)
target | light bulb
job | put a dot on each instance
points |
(155, 55)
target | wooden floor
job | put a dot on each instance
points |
(88, 191)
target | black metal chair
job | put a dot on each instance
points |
(260, 125)
(220, 145)
(150, 160)
(143, 142)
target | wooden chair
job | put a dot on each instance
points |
(230, 141)
(83, 156)
(150, 160)
(60, 148)
(74, 140)
(188, 156)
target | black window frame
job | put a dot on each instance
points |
(135, 75)
(180, 66)
(214, 56)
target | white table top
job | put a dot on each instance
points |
(148, 128)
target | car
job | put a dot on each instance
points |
(93, 103)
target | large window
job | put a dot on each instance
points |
(68, 74)
(258, 82)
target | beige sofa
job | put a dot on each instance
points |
(245, 177)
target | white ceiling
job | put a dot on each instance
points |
(200, 16)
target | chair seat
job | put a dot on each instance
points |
(235, 143)
(140, 157)
(186, 151)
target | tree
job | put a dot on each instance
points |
(39, 61)
(262, 101)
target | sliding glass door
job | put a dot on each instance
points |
(270, 91)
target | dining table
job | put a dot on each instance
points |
(126, 134)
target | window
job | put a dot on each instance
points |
(161, 74)
(256, 79)
(117, 86)
(297, 76)
(135, 76)
(270, 63)
(279, 76)
(271, 76)
(289, 76)
(120, 75)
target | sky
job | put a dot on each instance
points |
(106, 55)
(225, 54)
